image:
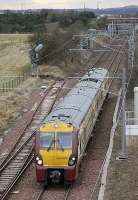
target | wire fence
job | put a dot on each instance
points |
(8, 83)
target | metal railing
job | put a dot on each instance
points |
(8, 83)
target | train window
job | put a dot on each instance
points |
(65, 140)
(46, 140)
(56, 140)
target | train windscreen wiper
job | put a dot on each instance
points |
(50, 146)
(60, 145)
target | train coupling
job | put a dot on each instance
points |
(55, 176)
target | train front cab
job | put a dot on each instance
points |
(56, 153)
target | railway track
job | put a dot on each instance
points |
(23, 150)
(96, 165)
(49, 194)
(88, 182)
(21, 155)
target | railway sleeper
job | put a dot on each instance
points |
(22, 156)
(4, 181)
(12, 168)
(4, 184)
(2, 190)
(8, 172)
(24, 137)
(8, 175)
(20, 159)
(16, 166)
(16, 163)
(4, 177)
(28, 133)
(26, 147)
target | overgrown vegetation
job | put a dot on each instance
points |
(56, 42)
(102, 22)
(36, 21)
(22, 23)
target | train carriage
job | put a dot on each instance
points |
(62, 138)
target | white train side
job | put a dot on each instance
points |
(62, 139)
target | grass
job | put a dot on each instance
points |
(122, 182)
(14, 55)
(14, 37)
(13, 103)
(14, 59)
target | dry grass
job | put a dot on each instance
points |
(14, 53)
(13, 59)
(14, 37)
(51, 71)
(13, 103)
(122, 178)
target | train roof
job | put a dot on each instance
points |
(74, 106)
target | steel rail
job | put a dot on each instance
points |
(8, 157)
(65, 197)
(10, 186)
(16, 164)
(114, 72)
(93, 189)
(40, 195)
(6, 191)
(67, 193)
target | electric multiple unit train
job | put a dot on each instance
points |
(62, 138)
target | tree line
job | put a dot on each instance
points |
(11, 22)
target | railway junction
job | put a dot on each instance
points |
(17, 166)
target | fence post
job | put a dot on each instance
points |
(16, 81)
(12, 85)
(6, 86)
(3, 86)
(9, 85)
(123, 131)
(19, 78)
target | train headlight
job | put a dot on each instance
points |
(72, 160)
(39, 160)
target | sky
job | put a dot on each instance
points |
(65, 4)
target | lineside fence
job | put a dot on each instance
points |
(8, 83)
(101, 179)
(104, 168)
